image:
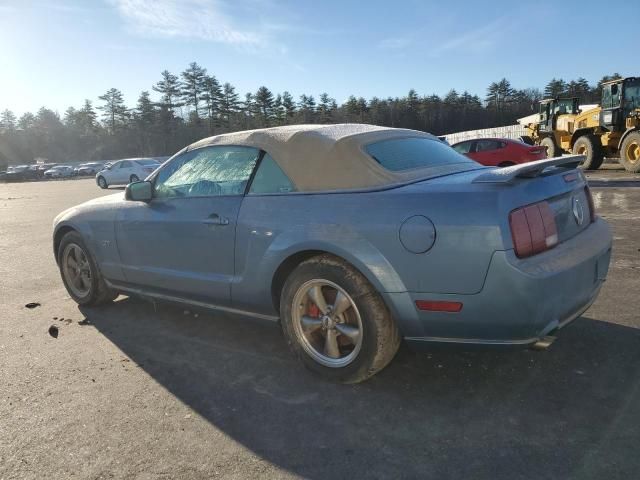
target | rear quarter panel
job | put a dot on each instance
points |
(363, 228)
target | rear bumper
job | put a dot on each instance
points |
(521, 300)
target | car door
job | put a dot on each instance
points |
(486, 152)
(182, 242)
(124, 171)
(112, 172)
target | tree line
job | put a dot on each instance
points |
(195, 104)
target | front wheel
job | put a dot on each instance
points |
(590, 147)
(630, 153)
(552, 149)
(133, 178)
(336, 322)
(102, 183)
(80, 273)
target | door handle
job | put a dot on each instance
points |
(215, 219)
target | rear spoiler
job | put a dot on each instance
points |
(528, 170)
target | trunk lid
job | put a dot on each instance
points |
(496, 192)
(561, 185)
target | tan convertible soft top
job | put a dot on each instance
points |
(325, 157)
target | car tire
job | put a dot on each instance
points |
(133, 178)
(102, 183)
(552, 149)
(630, 153)
(364, 335)
(80, 273)
(589, 146)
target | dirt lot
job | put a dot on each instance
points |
(129, 391)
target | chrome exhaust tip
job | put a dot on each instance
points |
(543, 343)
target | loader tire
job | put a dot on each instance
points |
(590, 147)
(630, 153)
(552, 149)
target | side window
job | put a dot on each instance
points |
(463, 147)
(486, 145)
(270, 178)
(208, 171)
(125, 164)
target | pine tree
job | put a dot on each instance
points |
(264, 104)
(193, 86)
(145, 112)
(307, 106)
(352, 109)
(87, 118)
(212, 96)
(169, 88)
(115, 112)
(229, 103)
(279, 112)
(326, 108)
(145, 119)
(492, 95)
(27, 121)
(7, 120)
(289, 106)
(555, 88)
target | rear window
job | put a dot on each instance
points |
(410, 153)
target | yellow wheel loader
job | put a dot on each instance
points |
(609, 130)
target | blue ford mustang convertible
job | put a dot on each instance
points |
(354, 237)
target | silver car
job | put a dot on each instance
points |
(353, 237)
(59, 171)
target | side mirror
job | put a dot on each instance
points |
(139, 192)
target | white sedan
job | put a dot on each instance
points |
(124, 172)
(59, 171)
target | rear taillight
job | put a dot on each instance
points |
(592, 208)
(533, 229)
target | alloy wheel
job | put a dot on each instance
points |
(76, 269)
(327, 323)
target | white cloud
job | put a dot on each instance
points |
(477, 41)
(199, 19)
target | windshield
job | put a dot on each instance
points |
(403, 154)
(631, 96)
(565, 105)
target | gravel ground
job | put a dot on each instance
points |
(136, 390)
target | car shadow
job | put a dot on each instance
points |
(569, 412)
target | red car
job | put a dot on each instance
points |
(500, 152)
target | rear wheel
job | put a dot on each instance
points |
(552, 148)
(102, 183)
(630, 153)
(589, 146)
(133, 178)
(336, 322)
(80, 273)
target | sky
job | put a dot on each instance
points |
(57, 53)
